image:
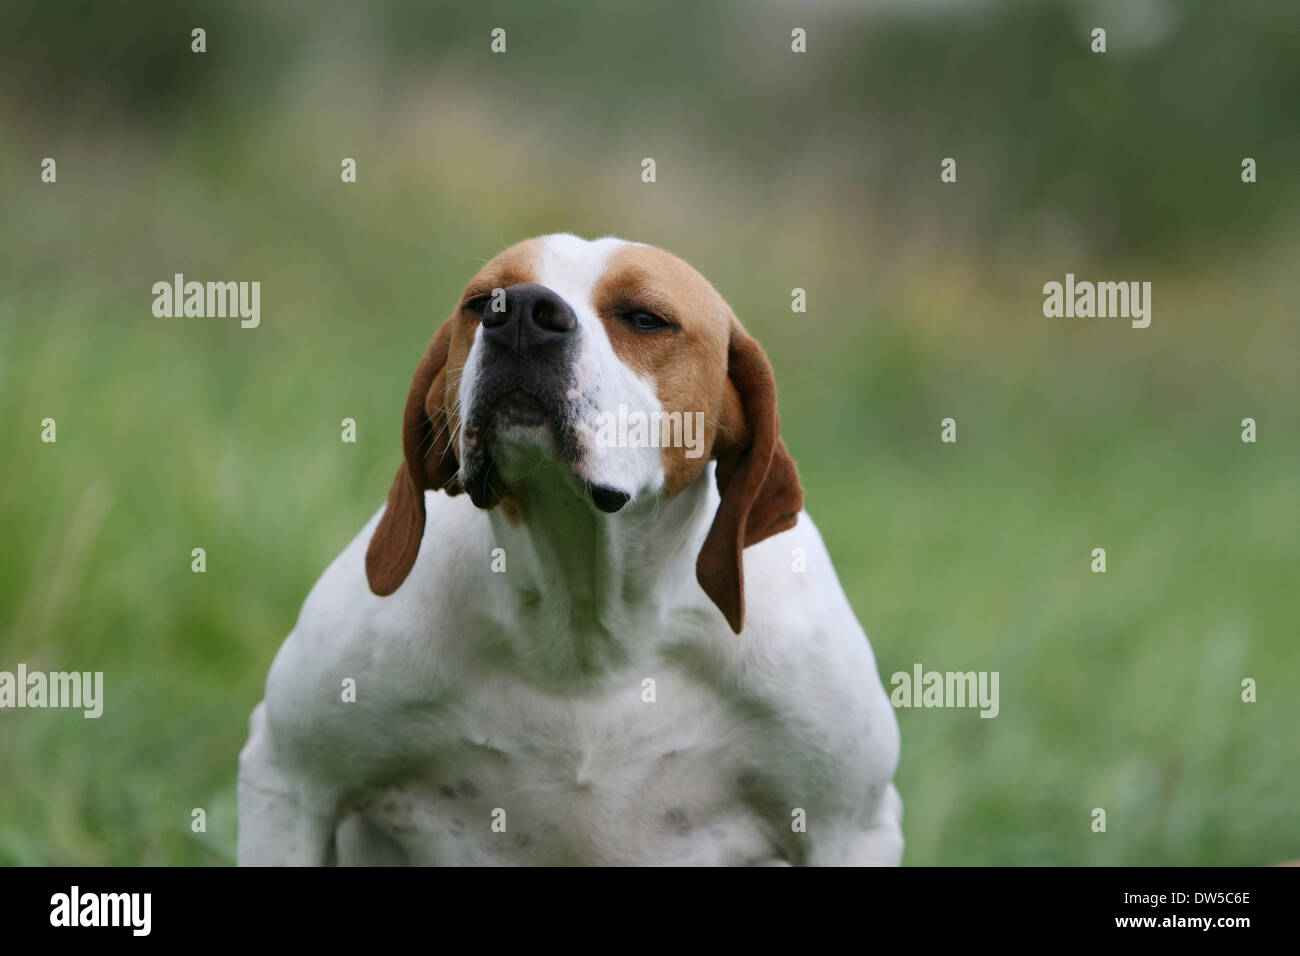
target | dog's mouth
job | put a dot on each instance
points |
(511, 432)
(515, 410)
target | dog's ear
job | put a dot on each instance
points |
(761, 494)
(430, 462)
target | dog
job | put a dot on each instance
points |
(555, 645)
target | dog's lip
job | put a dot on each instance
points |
(509, 406)
(607, 499)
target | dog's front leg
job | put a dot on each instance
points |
(283, 821)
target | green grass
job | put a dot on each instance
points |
(1119, 691)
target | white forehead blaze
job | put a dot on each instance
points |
(572, 266)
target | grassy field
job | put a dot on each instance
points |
(1118, 690)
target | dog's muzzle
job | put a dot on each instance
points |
(525, 380)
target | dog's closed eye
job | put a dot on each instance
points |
(477, 303)
(644, 320)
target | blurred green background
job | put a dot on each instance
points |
(775, 171)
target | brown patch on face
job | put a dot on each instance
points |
(431, 426)
(688, 361)
(514, 265)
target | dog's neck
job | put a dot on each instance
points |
(582, 589)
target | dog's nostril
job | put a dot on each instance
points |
(548, 317)
(492, 319)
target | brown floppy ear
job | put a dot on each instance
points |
(761, 494)
(430, 462)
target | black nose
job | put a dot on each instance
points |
(534, 317)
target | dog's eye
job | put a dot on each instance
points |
(476, 304)
(645, 321)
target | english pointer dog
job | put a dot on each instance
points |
(562, 642)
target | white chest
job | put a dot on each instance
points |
(511, 774)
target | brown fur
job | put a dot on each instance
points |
(689, 366)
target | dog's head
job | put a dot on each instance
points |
(620, 363)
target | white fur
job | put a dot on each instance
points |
(519, 696)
